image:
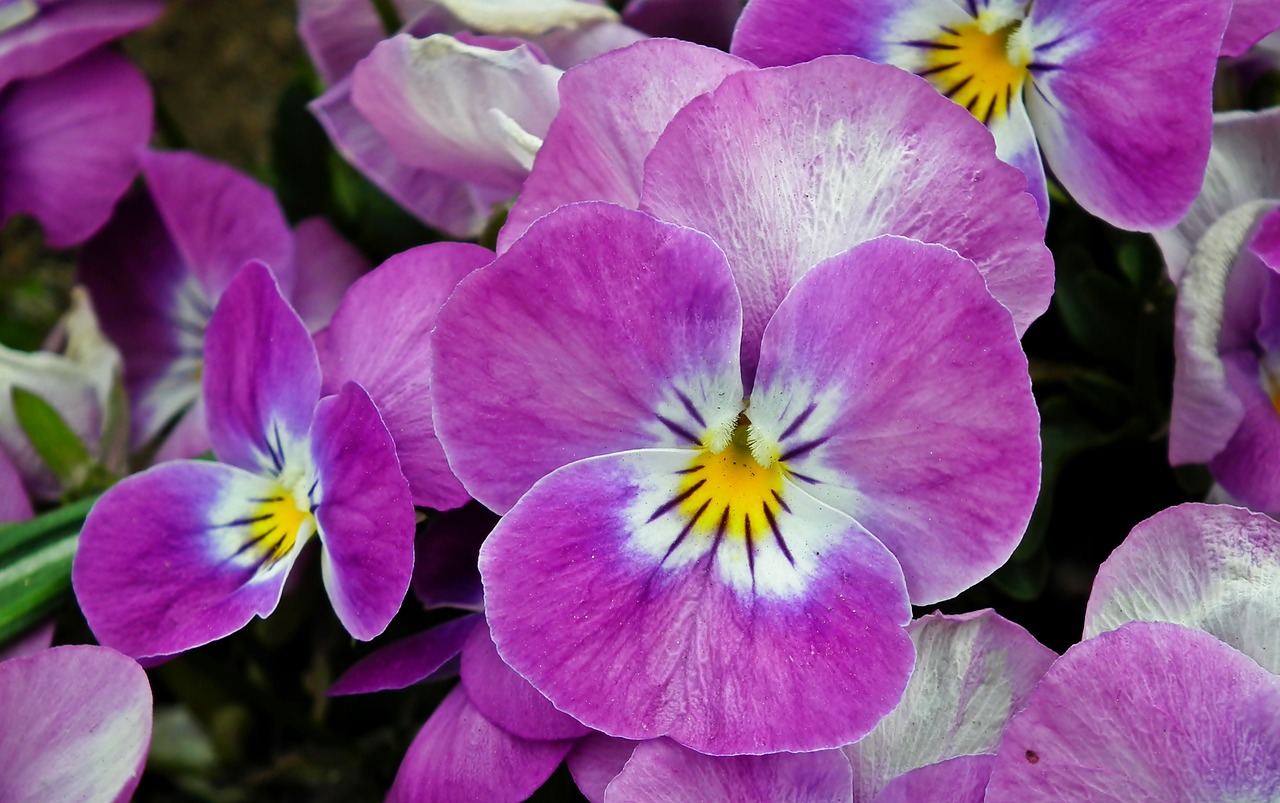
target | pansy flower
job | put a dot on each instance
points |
(190, 551)
(1089, 82)
(721, 561)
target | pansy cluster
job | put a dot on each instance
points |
(698, 428)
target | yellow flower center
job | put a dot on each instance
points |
(979, 66)
(730, 492)
(277, 524)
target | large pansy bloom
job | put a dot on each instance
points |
(728, 563)
(190, 551)
(1089, 80)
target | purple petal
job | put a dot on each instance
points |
(1016, 145)
(611, 113)
(364, 512)
(753, 164)
(897, 392)
(641, 624)
(1211, 567)
(972, 673)
(551, 354)
(407, 661)
(68, 143)
(380, 337)
(261, 378)
(62, 31)
(595, 760)
(34, 640)
(337, 34)
(219, 219)
(75, 725)
(962, 779)
(662, 771)
(778, 32)
(1149, 712)
(460, 755)
(326, 266)
(14, 504)
(176, 557)
(1244, 466)
(452, 206)
(708, 23)
(1127, 149)
(444, 570)
(1244, 166)
(506, 699)
(1251, 21)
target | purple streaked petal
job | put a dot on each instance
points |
(962, 779)
(567, 48)
(972, 673)
(75, 725)
(14, 504)
(337, 34)
(189, 437)
(506, 699)
(773, 33)
(167, 561)
(261, 378)
(552, 354)
(364, 512)
(897, 392)
(597, 597)
(469, 113)
(765, 146)
(326, 265)
(1251, 21)
(380, 337)
(407, 661)
(445, 554)
(1211, 567)
(595, 760)
(662, 771)
(1244, 166)
(1244, 466)
(1149, 712)
(460, 755)
(1016, 145)
(68, 143)
(709, 23)
(611, 113)
(218, 218)
(1127, 149)
(66, 30)
(452, 206)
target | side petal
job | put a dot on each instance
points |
(407, 661)
(611, 113)
(14, 504)
(1251, 22)
(1016, 145)
(662, 771)
(1211, 567)
(1127, 149)
(62, 31)
(962, 779)
(709, 24)
(789, 166)
(595, 760)
(337, 34)
(972, 673)
(380, 336)
(75, 725)
(897, 392)
(445, 555)
(363, 511)
(630, 617)
(327, 264)
(626, 339)
(773, 33)
(174, 557)
(1152, 711)
(261, 377)
(460, 755)
(68, 143)
(1244, 466)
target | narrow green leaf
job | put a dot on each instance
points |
(55, 442)
(35, 585)
(52, 526)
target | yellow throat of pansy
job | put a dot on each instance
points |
(981, 64)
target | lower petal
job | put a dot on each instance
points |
(1016, 144)
(962, 779)
(408, 661)
(1245, 466)
(595, 760)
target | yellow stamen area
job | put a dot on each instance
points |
(974, 65)
(278, 523)
(730, 492)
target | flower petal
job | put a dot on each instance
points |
(709, 23)
(611, 113)
(407, 661)
(364, 512)
(460, 755)
(773, 33)
(1151, 711)
(595, 760)
(170, 559)
(662, 771)
(639, 624)
(962, 779)
(788, 166)
(1243, 467)
(14, 504)
(380, 337)
(337, 34)
(626, 339)
(1251, 22)
(75, 725)
(446, 551)
(62, 31)
(327, 264)
(898, 393)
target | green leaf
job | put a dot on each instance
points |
(1024, 580)
(32, 587)
(1099, 312)
(55, 442)
(24, 536)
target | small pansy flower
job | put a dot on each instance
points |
(190, 551)
(719, 561)
(1117, 93)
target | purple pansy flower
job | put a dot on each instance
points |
(670, 527)
(189, 551)
(75, 725)
(1090, 81)
(1251, 22)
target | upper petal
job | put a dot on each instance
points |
(62, 31)
(1251, 21)
(327, 264)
